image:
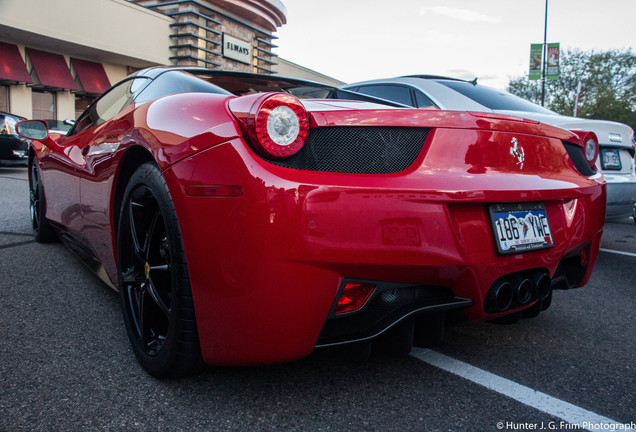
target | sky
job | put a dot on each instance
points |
(355, 40)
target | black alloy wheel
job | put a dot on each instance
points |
(42, 230)
(153, 279)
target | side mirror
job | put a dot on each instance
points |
(37, 130)
(32, 129)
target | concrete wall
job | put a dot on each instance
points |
(20, 102)
(133, 34)
(65, 105)
(115, 73)
(115, 33)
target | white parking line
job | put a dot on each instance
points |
(571, 414)
(618, 252)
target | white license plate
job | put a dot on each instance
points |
(520, 227)
(611, 160)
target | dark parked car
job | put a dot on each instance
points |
(13, 148)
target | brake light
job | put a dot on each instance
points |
(590, 146)
(276, 124)
(353, 297)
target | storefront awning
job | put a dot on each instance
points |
(51, 69)
(91, 75)
(12, 67)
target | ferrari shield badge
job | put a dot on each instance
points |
(517, 151)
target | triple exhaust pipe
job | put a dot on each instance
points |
(518, 289)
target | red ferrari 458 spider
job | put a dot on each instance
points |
(249, 219)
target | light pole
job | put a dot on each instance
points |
(545, 54)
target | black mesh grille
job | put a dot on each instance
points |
(359, 149)
(576, 154)
(384, 309)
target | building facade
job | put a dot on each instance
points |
(57, 56)
(224, 34)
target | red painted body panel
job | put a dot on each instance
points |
(265, 266)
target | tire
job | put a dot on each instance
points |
(154, 285)
(42, 230)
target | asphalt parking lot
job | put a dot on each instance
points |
(65, 362)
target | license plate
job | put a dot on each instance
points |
(520, 227)
(611, 160)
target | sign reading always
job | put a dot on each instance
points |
(237, 49)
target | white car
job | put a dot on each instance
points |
(616, 140)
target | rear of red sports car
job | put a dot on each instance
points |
(376, 219)
(246, 226)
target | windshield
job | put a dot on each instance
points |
(494, 99)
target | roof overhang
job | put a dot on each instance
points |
(269, 14)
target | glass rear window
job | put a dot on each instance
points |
(494, 99)
(392, 92)
(176, 82)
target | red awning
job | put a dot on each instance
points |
(51, 69)
(92, 76)
(12, 67)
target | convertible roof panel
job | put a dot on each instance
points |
(92, 76)
(51, 69)
(12, 67)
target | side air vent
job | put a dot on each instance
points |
(359, 149)
(576, 154)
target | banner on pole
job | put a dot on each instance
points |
(553, 71)
(536, 53)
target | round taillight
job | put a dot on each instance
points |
(590, 146)
(590, 150)
(280, 126)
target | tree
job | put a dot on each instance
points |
(608, 86)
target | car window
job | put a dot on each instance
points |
(422, 101)
(392, 92)
(175, 82)
(58, 126)
(109, 104)
(492, 98)
(7, 124)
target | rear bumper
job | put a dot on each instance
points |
(621, 195)
(266, 267)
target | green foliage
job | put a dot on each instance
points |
(608, 86)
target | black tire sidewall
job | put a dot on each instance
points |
(170, 360)
(44, 232)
